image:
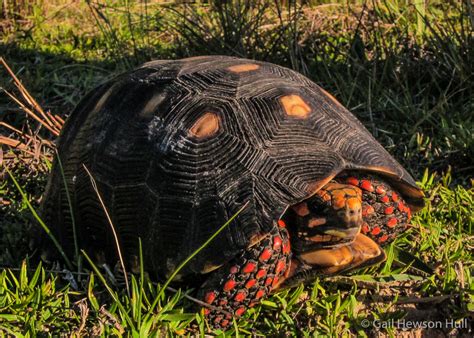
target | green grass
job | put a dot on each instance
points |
(404, 69)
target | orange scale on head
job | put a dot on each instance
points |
(338, 202)
(354, 203)
(352, 192)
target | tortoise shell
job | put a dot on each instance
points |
(177, 147)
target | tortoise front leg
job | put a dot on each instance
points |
(245, 280)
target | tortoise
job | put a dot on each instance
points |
(177, 147)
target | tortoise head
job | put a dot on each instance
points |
(344, 225)
(332, 217)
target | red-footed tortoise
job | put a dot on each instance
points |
(177, 147)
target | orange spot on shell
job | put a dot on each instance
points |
(388, 211)
(385, 199)
(207, 125)
(268, 281)
(275, 282)
(383, 238)
(224, 323)
(234, 269)
(375, 231)
(295, 106)
(281, 223)
(392, 222)
(246, 67)
(261, 273)
(332, 98)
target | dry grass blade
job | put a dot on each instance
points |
(119, 251)
(14, 144)
(28, 137)
(31, 113)
(51, 122)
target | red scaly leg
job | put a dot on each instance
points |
(247, 279)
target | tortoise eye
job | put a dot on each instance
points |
(317, 205)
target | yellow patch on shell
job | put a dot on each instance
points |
(295, 106)
(246, 67)
(200, 57)
(207, 125)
